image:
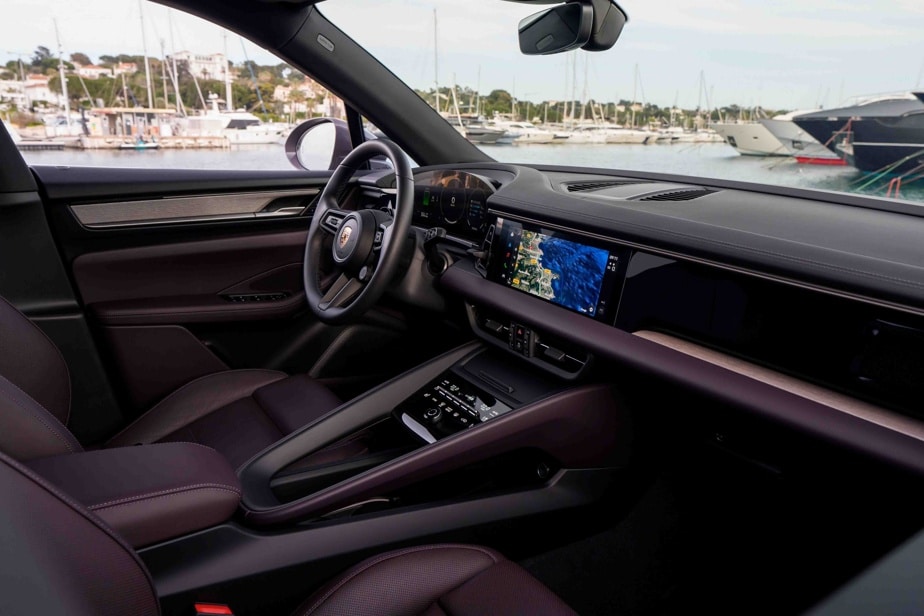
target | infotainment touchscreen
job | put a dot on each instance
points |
(560, 269)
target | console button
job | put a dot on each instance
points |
(433, 414)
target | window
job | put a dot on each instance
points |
(204, 98)
(711, 89)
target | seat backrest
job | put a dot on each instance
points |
(35, 390)
(58, 558)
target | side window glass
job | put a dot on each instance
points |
(171, 91)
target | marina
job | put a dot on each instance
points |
(704, 160)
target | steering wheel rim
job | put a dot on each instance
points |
(366, 243)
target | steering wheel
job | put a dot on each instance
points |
(366, 243)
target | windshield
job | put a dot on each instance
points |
(807, 93)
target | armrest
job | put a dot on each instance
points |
(148, 493)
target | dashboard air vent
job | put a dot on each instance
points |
(686, 194)
(597, 185)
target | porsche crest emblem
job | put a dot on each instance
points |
(345, 236)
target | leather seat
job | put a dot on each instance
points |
(67, 561)
(237, 412)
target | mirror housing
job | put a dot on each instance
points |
(560, 28)
(318, 144)
(609, 19)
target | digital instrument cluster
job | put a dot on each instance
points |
(454, 200)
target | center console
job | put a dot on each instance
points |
(531, 445)
(467, 407)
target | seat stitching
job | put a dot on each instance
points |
(181, 443)
(163, 493)
(67, 370)
(30, 413)
(190, 384)
(386, 557)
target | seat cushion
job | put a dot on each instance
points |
(238, 412)
(456, 580)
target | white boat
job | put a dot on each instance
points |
(139, 144)
(797, 142)
(750, 138)
(588, 134)
(525, 132)
(672, 134)
(629, 136)
(240, 127)
(707, 135)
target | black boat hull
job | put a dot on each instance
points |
(891, 145)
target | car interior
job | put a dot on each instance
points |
(333, 392)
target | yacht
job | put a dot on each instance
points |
(630, 136)
(477, 132)
(887, 144)
(799, 143)
(239, 127)
(524, 132)
(589, 134)
(750, 138)
(830, 126)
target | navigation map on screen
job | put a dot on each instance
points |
(564, 272)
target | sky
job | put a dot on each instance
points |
(779, 54)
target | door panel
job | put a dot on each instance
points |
(151, 252)
(190, 269)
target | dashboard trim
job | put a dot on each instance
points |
(821, 395)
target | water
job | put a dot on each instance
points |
(707, 160)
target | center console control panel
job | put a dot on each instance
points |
(446, 405)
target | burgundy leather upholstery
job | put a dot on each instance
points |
(58, 558)
(192, 402)
(27, 430)
(431, 580)
(149, 493)
(35, 390)
(237, 412)
(30, 360)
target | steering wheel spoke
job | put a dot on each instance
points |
(331, 218)
(341, 293)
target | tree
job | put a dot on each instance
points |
(81, 58)
(41, 54)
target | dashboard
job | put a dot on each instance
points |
(792, 282)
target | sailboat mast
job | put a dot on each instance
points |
(634, 92)
(584, 93)
(573, 86)
(174, 76)
(478, 94)
(67, 102)
(564, 95)
(436, 64)
(147, 61)
(229, 102)
(163, 73)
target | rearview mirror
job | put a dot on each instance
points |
(560, 28)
